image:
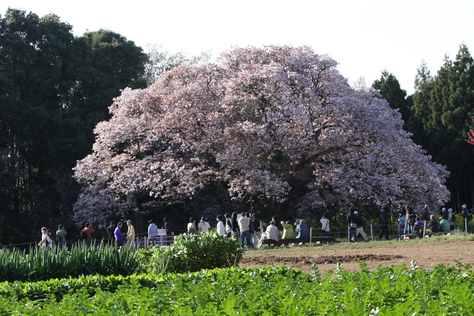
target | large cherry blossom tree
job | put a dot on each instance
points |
(276, 124)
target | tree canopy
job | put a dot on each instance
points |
(54, 89)
(443, 107)
(276, 125)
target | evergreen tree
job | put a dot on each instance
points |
(444, 106)
(54, 88)
(391, 91)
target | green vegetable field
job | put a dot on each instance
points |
(230, 290)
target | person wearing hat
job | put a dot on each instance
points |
(356, 227)
(204, 226)
(444, 213)
(46, 241)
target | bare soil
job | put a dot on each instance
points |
(426, 253)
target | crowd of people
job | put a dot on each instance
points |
(425, 221)
(248, 230)
(245, 228)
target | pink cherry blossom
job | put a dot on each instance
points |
(276, 123)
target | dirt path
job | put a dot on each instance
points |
(426, 253)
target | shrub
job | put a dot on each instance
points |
(192, 253)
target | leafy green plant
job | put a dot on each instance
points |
(43, 264)
(251, 291)
(193, 253)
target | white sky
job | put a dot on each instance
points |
(363, 36)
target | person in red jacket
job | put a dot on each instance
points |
(89, 231)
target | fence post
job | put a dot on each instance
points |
(311, 236)
(372, 232)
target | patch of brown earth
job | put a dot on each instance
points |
(426, 254)
(270, 260)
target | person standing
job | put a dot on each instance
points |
(257, 227)
(425, 213)
(169, 231)
(130, 234)
(467, 217)
(451, 218)
(204, 226)
(251, 228)
(384, 224)
(61, 236)
(152, 233)
(425, 217)
(220, 226)
(89, 230)
(191, 228)
(46, 241)
(228, 224)
(401, 223)
(235, 226)
(410, 220)
(360, 226)
(244, 226)
(325, 226)
(351, 221)
(118, 235)
(110, 232)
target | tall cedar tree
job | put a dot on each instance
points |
(54, 88)
(444, 106)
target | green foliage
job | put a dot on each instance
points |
(193, 253)
(442, 116)
(54, 89)
(248, 291)
(44, 263)
(189, 253)
(391, 91)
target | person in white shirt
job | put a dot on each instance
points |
(272, 232)
(244, 225)
(152, 233)
(325, 226)
(46, 241)
(204, 226)
(220, 226)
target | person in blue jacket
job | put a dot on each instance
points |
(119, 235)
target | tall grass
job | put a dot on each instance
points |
(44, 263)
